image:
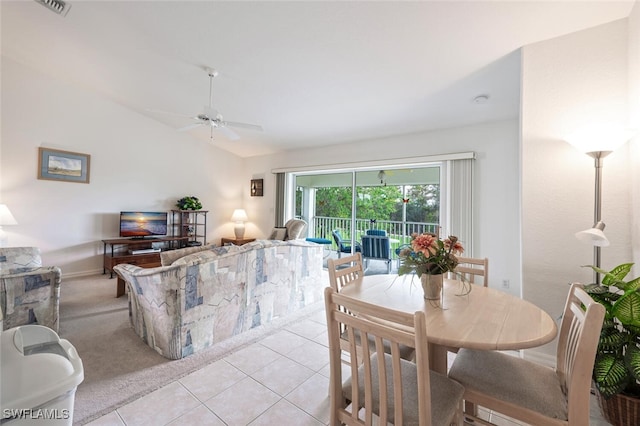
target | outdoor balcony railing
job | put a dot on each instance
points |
(399, 232)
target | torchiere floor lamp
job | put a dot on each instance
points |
(590, 141)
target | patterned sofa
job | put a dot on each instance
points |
(219, 292)
(29, 292)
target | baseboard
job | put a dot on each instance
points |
(81, 274)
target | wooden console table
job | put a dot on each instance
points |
(120, 248)
(235, 241)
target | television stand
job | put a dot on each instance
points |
(135, 251)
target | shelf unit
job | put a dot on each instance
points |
(118, 250)
(191, 224)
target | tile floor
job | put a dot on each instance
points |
(281, 380)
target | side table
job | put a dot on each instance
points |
(235, 241)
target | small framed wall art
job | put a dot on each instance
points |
(65, 166)
(256, 187)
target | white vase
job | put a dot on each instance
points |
(432, 286)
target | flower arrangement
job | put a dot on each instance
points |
(427, 254)
(189, 203)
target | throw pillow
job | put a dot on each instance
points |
(278, 234)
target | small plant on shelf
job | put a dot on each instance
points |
(189, 203)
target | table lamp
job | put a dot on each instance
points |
(6, 218)
(239, 216)
(597, 141)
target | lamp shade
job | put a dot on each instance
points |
(6, 218)
(600, 137)
(239, 215)
(594, 236)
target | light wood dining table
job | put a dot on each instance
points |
(486, 318)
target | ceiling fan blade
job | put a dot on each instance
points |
(189, 127)
(169, 113)
(230, 134)
(243, 125)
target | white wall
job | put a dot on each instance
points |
(496, 191)
(634, 122)
(136, 163)
(567, 83)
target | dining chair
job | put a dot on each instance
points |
(530, 392)
(470, 268)
(383, 384)
(342, 272)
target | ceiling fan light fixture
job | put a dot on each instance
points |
(58, 6)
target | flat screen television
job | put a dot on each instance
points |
(143, 224)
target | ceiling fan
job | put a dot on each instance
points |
(212, 118)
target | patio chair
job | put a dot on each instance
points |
(376, 247)
(342, 247)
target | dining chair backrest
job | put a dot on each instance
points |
(577, 345)
(379, 379)
(344, 270)
(471, 268)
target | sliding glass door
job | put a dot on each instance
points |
(399, 201)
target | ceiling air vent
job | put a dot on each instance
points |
(58, 6)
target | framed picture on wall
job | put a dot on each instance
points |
(65, 166)
(256, 187)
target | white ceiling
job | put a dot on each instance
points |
(311, 73)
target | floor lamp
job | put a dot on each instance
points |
(595, 235)
(597, 141)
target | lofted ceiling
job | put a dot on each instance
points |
(310, 73)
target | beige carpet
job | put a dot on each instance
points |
(118, 366)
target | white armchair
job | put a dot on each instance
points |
(292, 230)
(29, 292)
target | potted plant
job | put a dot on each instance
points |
(189, 203)
(616, 371)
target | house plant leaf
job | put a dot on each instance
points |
(616, 275)
(611, 339)
(632, 360)
(627, 309)
(610, 374)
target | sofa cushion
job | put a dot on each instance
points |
(207, 255)
(168, 257)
